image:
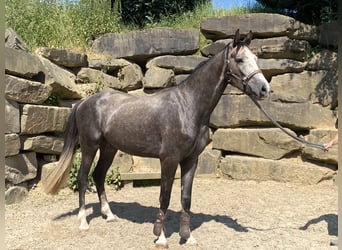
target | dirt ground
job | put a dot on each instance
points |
(225, 215)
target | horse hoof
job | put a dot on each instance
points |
(84, 226)
(111, 218)
(161, 244)
(191, 241)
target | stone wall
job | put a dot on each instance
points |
(42, 86)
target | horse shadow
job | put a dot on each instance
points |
(330, 219)
(137, 213)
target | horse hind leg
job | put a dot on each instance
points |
(107, 153)
(87, 157)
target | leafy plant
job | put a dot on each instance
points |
(54, 99)
(113, 178)
(72, 181)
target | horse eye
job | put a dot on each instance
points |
(238, 60)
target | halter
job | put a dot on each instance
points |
(245, 79)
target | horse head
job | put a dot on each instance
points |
(243, 70)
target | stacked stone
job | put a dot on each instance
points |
(42, 86)
(303, 99)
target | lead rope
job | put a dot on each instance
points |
(297, 138)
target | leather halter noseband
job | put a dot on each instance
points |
(245, 79)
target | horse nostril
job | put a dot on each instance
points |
(264, 90)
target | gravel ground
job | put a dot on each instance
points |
(226, 214)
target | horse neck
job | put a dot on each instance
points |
(206, 85)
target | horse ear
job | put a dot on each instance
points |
(248, 38)
(236, 37)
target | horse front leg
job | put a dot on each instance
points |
(168, 171)
(188, 168)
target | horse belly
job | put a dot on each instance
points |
(136, 138)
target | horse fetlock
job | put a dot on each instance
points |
(159, 224)
(184, 228)
(184, 232)
(157, 228)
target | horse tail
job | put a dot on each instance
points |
(60, 173)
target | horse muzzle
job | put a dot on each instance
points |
(258, 87)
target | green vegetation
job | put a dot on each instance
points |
(72, 181)
(112, 179)
(73, 25)
(307, 11)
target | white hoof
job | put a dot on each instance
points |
(105, 210)
(161, 242)
(191, 241)
(83, 220)
(84, 226)
(111, 218)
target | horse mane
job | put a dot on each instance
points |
(200, 65)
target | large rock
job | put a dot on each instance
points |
(21, 168)
(269, 143)
(258, 169)
(321, 136)
(179, 64)
(138, 46)
(262, 25)
(15, 194)
(122, 162)
(42, 144)
(22, 64)
(214, 47)
(36, 119)
(14, 41)
(12, 144)
(323, 60)
(280, 48)
(26, 91)
(327, 89)
(102, 80)
(131, 77)
(273, 67)
(156, 77)
(12, 117)
(208, 161)
(239, 111)
(64, 57)
(145, 165)
(107, 64)
(61, 80)
(316, 86)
